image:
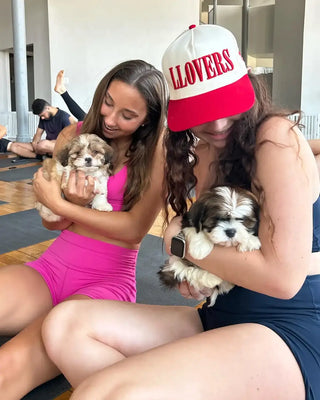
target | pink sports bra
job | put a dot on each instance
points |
(116, 183)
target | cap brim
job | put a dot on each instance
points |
(224, 102)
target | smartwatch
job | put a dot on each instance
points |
(178, 245)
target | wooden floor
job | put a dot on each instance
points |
(19, 197)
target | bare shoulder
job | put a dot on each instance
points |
(283, 133)
(65, 136)
(278, 130)
(284, 157)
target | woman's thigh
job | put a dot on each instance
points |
(238, 362)
(129, 328)
(24, 296)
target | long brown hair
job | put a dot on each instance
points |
(152, 86)
(236, 164)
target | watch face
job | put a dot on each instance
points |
(178, 246)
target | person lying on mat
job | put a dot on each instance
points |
(95, 255)
(261, 339)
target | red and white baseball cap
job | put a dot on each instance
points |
(207, 77)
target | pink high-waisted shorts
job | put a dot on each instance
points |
(76, 264)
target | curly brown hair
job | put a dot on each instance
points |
(152, 86)
(236, 164)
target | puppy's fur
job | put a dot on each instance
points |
(224, 215)
(88, 153)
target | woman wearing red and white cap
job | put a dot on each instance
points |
(259, 341)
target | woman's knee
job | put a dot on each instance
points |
(110, 390)
(59, 326)
(13, 363)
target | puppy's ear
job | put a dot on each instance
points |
(63, 155)
(196, 215)
(108, 154)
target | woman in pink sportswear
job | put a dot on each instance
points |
(95, 254)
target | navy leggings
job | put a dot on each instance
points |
(296, 321)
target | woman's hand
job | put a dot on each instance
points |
(186, 290)
(79, 188)
(190, 292)
(173, 229)
(46, 192)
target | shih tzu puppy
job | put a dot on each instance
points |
(86, 152)
(224, 215)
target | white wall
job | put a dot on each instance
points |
(88, 38)
(36, 22)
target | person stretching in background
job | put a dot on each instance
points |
(73, 107)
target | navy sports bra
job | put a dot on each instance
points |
(316, 226)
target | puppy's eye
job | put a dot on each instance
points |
(222, 219)
(74, 155)
(239, 219)
(249, 221)
(207, 228)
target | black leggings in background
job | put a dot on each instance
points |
(73, 107)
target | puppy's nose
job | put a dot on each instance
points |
(230, 232)
(88, 160)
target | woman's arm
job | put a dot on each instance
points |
(130, 226)
(285, 171)
(67, 134)
(56, 226)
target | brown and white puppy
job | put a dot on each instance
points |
(226, 216)
(86, 152)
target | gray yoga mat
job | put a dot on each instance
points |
(18, 174)
(11, 162)
(22, 229)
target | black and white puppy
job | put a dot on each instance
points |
(224, 215)
(86, 152)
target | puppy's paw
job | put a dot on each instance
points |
(105, 207)
(252, 243)
(47, 214)
(100, 203)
